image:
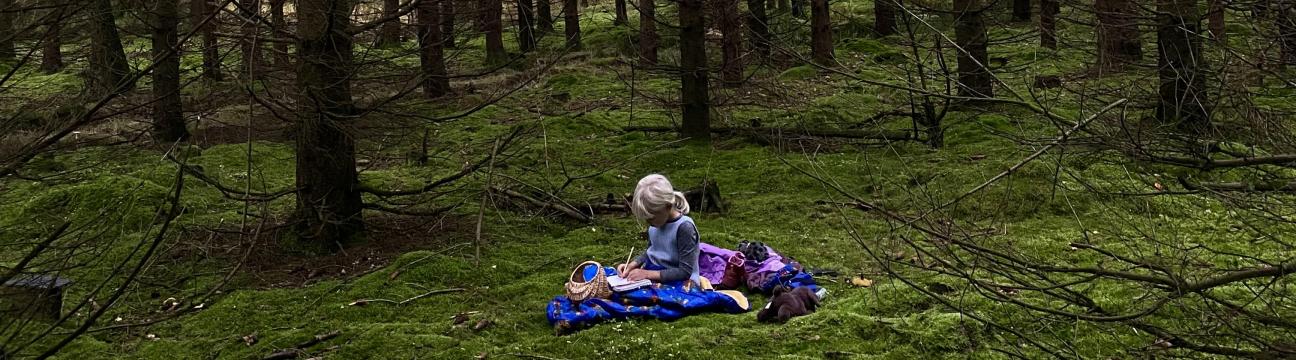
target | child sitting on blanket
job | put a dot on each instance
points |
(672, 253)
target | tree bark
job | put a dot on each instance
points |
(1286, 24)
(970, 34)
(884, 17)
(1021, 11)
(648, 33)
(571, 24)
(108, 66)
(1183, 85)
(728, 21)
(328, 202)
(1118, 34)
(168, 113)
(250, 10)
(622, 14)
(544, 17)
(282, 59)
(448, 13)
(389, 35)
(492, 23)
(52, 42)
(436, 83)
(526, 26)
(198, 11)
(931, 125)
(1216, 17)
(693, 72)
(1048, 23)
(821, 37)
(758, 26)
(7, 34)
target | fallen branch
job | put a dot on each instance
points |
(561, 208)
(292, 353)
(1284, 160)
(890, 135)
(406, 301)
(1240, 186)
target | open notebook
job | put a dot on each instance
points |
(620, 284)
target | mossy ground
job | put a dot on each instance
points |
(528, 257)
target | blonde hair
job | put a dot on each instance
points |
(654, 194)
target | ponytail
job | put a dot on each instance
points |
(681, 203)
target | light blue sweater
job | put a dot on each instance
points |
(674, 248)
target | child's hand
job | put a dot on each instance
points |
(625, 269)
(641, 274)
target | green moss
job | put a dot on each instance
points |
(525, 257)
(799, 73)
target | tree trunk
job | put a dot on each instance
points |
(970, 34)
(571, 24)
(282, 59)
(492, 23)
(250, 11)
(436, 83)
(389, 35)
(821, 38)
(622, 14)
(168, 115)
(884, 17)
(199, 10)
(1183, 85)
(931, 125)
(648, 33)
(526, 26)
(1286, 19)
(1118, 34)
(7, 34)
(52, 42)
(730, 25)
(448, 11)
(1216, 17)
(108, 66)
(1048, 23)
(693, 71)
(328, 203)
(544, 17)
(1021, 11)
(758, 26)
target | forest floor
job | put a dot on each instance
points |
(284, 296)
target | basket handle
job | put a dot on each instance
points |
(582, 266)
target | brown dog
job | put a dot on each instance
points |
(787, 304)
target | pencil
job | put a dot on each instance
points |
(630, 255)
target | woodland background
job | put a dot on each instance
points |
(416, 178)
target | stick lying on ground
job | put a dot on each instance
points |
(705, 198)
(772, 131)
(295, 351)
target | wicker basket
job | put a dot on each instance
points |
(579, 289)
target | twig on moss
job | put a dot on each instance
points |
(292, 353)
